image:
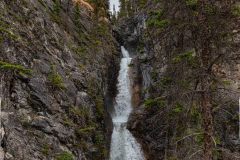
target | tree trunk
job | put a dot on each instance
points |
(206, 105)
(207, 120)
(206, 98)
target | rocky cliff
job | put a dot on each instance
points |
(165, 38)
(57, 61)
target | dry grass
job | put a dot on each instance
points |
(84, 4)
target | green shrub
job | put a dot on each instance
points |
(236, 10)
(55, 14)
(9, 33)
(165, 82)
(85, 131)
(154, 102)
(199, 138)
(99, 107)
(15, 67)
(80, 112)
(156, 20)
(158, 23)
(99, 138)
(65, 156)
(178, 108)
(210, 10)
(80, 50)
(56, 79)
(68, 122)
(188, 57)
(46, 149)
(191, 3)
(42, 3)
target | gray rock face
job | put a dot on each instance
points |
(57, 109)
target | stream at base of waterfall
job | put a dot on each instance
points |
(123, 145)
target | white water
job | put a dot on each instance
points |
(123, 145)
(114, 3)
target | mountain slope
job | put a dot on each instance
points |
(56, 58)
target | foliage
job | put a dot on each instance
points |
(192, 3)
(236, 10)
(156, 19)
(42, 3)
(158, 23)
(56, 79)
(15, 67)
(99, 138)
(46, 149)
(9, 33)
(4, 29)
(154, 102)
(189, 57)
(55, 14)
(65, 156)
(165, 82)
(99, 107)
(85, 131)
(81, 51)
(80, 112)
(68, 122)
(178, 108)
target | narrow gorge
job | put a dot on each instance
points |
(119, 79)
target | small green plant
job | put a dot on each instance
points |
(42, 3)
(210, 10)
(99, 107)
(9, 33)
(25, 122)
(131, 65)
(195, 114)
(80, 112)
(68, 122)
(156, 14)
(85, 131)
(65, 156)
(154, 102)
(188, 57)
(80, 50)
(55, 14)
(99, 138)
(165, 82)
(178, 108)
(15, 67)
(199, 138)
(46, 149)
(56, 79)
(158, 23)
(236, 10)
(191, 3)
(226, 82)
(156, 20)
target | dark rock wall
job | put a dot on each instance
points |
(56, 62)
(168, 119)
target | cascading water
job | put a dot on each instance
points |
(123, 145)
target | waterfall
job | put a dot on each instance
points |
(123, 145)
(2, 153)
